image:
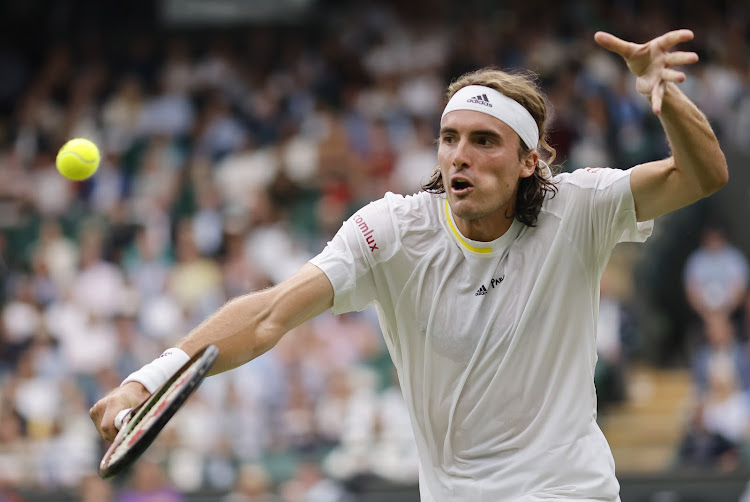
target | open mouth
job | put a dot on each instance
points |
(460, 185)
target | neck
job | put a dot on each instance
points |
(485, 229)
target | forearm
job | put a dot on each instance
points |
(250, 325)
(694, 145)
(242, 330)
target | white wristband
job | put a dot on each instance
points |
(154, 374)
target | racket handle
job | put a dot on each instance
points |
(120, 418)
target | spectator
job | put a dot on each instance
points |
(35, 397)
(310, 485)
(195, 281)
(408, 175)
(8, 494)
(716, 275)
(721, 344)
(92, 488)
(375, 436)
(394, 456)
(720, 424)
(253, 485)
(614, 345)
(148, 483)
(58, 253)
(726, 411)
(99, 285)
(21, 317)
(702, 449)
(121, 114)
(14, 458)
(146, 265)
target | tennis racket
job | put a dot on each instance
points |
(140, 426)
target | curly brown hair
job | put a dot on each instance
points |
(523, 88)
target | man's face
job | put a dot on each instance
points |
(478, 157)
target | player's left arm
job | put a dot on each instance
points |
(697, 167)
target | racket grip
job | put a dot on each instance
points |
(120, 418)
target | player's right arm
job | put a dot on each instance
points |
(243, 329)
(250, 325)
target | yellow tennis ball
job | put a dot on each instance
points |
(78, 159)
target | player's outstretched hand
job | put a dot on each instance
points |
(652, 62)
(103, 412)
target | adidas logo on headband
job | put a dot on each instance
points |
(480, 100)
(498, 105)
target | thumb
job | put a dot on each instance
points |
(614, 44)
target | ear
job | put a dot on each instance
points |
(529, 163)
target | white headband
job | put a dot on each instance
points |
(487, 100)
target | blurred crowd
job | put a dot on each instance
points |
(230, 157)
(716, 280)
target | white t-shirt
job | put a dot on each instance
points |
(494, 342)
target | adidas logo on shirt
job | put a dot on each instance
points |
(493, 284)
(480, 100)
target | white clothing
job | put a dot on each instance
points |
(494, 342)
(717, 274)
(729, 417)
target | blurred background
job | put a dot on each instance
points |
(236, 138)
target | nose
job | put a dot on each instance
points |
(461, 155)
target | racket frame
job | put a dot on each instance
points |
(157, 411)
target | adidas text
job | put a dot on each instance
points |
(480, 100)
(481, 291)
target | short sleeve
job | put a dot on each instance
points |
(601, 198)
(366, 240)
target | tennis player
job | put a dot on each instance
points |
(487, 286)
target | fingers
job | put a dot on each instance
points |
(657, 95)
(94, 413)
(672, 38)
(657, 92)
(108, 430)
(103, 417)
(614, 44)
(680, 58)
(665, 42)
(103, 413)
(669, 75)
(652, 62)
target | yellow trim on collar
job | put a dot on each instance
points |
(458, 234)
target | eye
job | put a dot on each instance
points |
(447, 139)
(484, 141)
